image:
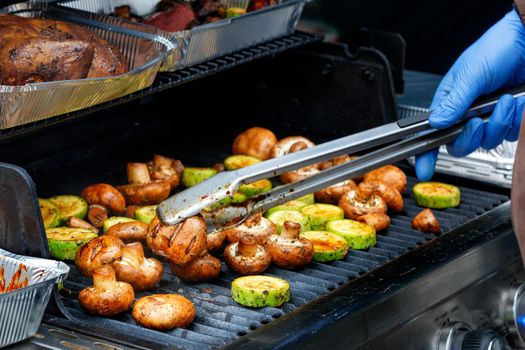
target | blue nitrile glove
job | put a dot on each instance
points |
(494, 61)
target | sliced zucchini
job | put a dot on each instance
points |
(50, 213)
(320, 214)
(279, 217)
(240, 161)
(64, 242)
(296, 205)
(193, 176)
(357, 234)
(260, 291)
(70, 205)
(308, 199)
(436, 195)
(256, 188)
(146, 214)
(234, 12)
(115, 220)
(239, 197)
(327, 246)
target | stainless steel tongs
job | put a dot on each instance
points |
(413, 135)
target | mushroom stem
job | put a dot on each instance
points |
(248, 246)
(104, 278)
(134, 253)
(254, 220)
(138, 173)
(298, 146)
(291, 230)
(162, 162)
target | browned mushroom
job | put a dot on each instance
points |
(98, 252)
(203, 268)
(179, 243)
(334, 162)
(288, 250)
(106, 297)
(215, 240)
(247, 257)
(131, 210)
(136, 270)
(333, 193)
(106, 196)
(256, 225)
(391, 196)
(256, 142)
(425, 221)
(75, 222)
(130, 231)
(299, 174)
(355, 206)
(289, 145)
(163, 311)
(97, 214)
(141, 189)
(299, 144)
(389, 174)
(379, 222)
(165, 168)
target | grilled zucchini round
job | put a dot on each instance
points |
(260, 291)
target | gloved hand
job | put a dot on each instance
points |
(495, 61)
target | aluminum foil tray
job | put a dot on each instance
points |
(26, 284)
(32, 102)
(208, 41)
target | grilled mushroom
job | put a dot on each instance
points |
(389, 174)
(97, 214)
(379, 222)
(163, 311)
(333, 193)
(334, 162)
(136, 270)
(391, 196)
(247, 257)
(129, 231)
(289, 145)
(256, 225)
(167, 169)
(256, 142)
(141, 189)
(75, 222)
(179, 243)
(214, 241)
(98, 252)
(203, 268)
(106, 297)
(104, 195)
(288, 250)
(425, 221)
(355, 206)
(302, 173)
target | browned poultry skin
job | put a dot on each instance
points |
(203, 268)
(426, 222)
(379, 222)
(391, 196)
(40, 50)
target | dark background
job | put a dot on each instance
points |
(436, 31)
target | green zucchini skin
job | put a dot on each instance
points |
(50, 213)
(66, 247)
(146, 214)
(194, 176)
(115, 220)
(239, 161)
(280, 216)
(272, 292)
(320, 214)
(327, 246)
(256, 188)
(358, 235)
(70, 206)
(436, 195)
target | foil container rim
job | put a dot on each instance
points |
(55, 269)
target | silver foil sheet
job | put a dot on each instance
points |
(33, 102)
(26, 284)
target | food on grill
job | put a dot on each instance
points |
(64, 242)
(193, 176)
(167, 169)
(234, 12)
(134, 268)
(355, 206)
(106, 297)
(203, 268)
(260, 291)
(146, 214)
(75, 222)
(98, 252)
(50, 213)
(163, 311)
(379, 222)
(115, 220)
(389, 174)
(391, 196)
(291, 205)
(436, 195)
(40, 50)
(128, 232)
(332, 194)
(299, 174)
(260, 4)
(97, 214)
(320, 214)
(256, 142)
(178, 17)
(255, 188)
(179, 243)
(288, 250)
(334, 162)
(280, 216)
(131, 210)
(240, 161)
(290, 144)
(425, 221)
(257, 226)
(215, 240)
(247, 257)
(125, 13)
(358, 235)
(70, 205)
(307, 199)
(142, 190)
(327, 246)
(106, 196)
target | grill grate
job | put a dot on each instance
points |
(220, 320)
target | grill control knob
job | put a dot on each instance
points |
(482, 339)
(452, 335)
(514, 313)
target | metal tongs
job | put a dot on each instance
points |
(413, 135)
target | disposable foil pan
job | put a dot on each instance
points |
(144, 54)
(208, 41)
(26, 284)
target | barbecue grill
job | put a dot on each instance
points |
(410, 283)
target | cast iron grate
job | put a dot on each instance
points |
(220, 320)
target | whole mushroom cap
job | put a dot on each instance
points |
(163, 311)
(134, 268)
(288, 250)
(256, 225)
(247, 256)
(98, 252)
(256, 142)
